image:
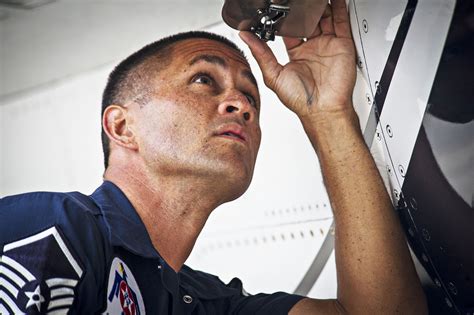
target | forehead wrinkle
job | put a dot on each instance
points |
(210, 59)
(192, 47)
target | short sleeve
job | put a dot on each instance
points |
(216, 297)
(262, 303)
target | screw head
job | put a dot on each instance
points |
(369, 99)
(379, 89)
(389, 131)
(452, 288)
(426, 235)
(413, 203)
(365, 25)
(401, 170)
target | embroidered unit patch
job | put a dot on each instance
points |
(123, 293)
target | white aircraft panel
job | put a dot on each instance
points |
(412, 80)
(374, 32)
(266, 259)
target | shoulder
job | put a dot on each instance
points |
(70, 218)
(26, 214)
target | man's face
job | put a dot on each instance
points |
(203, 117)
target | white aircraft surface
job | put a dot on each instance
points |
(415, 99)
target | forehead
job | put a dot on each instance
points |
(187, 50)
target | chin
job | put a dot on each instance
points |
(238, 186)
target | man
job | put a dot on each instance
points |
(181, 136)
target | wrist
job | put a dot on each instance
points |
(337, 130)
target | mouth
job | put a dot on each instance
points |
(233, 135)
(232, 131)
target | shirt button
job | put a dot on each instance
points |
(159, 267)
(187, 299)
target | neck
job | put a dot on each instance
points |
(174, 210)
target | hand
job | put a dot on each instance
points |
(320, 76)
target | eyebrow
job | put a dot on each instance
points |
(249, 75)
(222, 63)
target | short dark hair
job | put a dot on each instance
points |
(127, 82)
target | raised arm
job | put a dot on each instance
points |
(374, 269)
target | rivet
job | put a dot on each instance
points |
(365, 25)
(452, 288)
(378, 87)
(389, 131)
(426, 235)
(396, 194)
(187, 299)
(359, 62)
(159, 266)
(401, 170)
(378, 135)
(424, 257)
(401, 201)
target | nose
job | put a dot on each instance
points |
(238, 104)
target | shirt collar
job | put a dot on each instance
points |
(125, 227)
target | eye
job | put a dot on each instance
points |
(251, 100)
(203, 78)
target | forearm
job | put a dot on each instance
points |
(374, 267)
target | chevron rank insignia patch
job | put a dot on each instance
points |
(38, 275)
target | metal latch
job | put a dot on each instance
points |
(268, 17)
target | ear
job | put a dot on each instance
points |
(116, 124)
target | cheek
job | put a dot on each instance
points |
(171, 128)
(157, 124)
(258, 133)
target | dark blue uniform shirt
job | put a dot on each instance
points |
(70, 253)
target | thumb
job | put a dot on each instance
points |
(265, 58)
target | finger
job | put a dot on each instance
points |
(292, 42)
(342, 26)
(326, 22)
(265, 58)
